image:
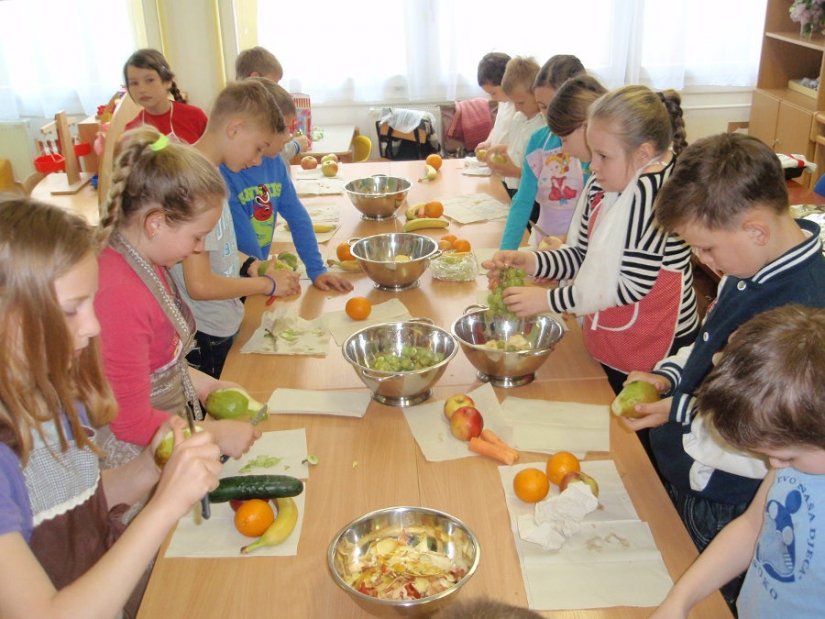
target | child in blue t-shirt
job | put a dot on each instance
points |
(257, 195)
(765, 396)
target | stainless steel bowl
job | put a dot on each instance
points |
(378, 196)
(398, 388)
(502, 368)
(378, 255)
(350, 543)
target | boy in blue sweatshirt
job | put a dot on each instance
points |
(727, 198)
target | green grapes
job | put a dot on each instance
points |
(411, 358)
(498, 281)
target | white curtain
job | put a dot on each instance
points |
(401, 50)
(61, 55)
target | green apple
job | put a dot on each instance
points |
(232, 403)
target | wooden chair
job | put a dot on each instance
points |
(126, 110)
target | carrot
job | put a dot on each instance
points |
(506, 455)
(491, 437)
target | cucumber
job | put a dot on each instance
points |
(245, 487)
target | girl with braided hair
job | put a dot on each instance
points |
(64, 548)
(149, 81)
(632, 281)
(165, 198)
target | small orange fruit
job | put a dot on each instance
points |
(358, 308)
(461, 245)
(343, 252)
(560, 464)
(434, 209)
(444, 245)
(452, 238)
(531, 485)
(434, 160)
(254, 517)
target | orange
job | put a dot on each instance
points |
(461, 245)
(254, 517)
(452, 238)
(434, 209)
(358, 308)
(531, 485)
(435, 161)
(444, 245)
(560, 464)
(343, 252)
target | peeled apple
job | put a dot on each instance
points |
(232, 403)
(636, 392)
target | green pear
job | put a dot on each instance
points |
(263, 267)
(163, 451)
(232, 403)
(290, 259)
(636, 392)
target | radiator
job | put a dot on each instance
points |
(432, 108)
(16, 146)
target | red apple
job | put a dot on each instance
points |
(576, 477)
(466, 423)
(329, 167)
(454, 402)
(309, 162)
(235, 504)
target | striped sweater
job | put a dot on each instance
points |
(647, 250)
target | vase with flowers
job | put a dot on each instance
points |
(810, 14)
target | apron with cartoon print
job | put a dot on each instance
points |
(560, 179)
(171, 386)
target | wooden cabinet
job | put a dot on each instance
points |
(783, 118)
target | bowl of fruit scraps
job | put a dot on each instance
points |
(403, 561)
(399, 362)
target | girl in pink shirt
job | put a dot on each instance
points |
(165, 198)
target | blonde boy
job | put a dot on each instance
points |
(517, 84)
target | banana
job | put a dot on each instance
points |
(352, 266)
(425, 222)
(316, 227)
(279, 530)
(412, 212)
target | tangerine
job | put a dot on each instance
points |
(461, 245)
(560, 464)
(254, 517)
(343, 252)
(434, 209)
(451, 238)
(434, 160)
(531, 485)
(358, 308)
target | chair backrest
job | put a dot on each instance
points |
(400, 145)
(126, 110)
(362, 148)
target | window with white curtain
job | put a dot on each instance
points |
(419, 50)
(61, 55)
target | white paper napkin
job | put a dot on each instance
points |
(342, 326)
(474, 208)
(283, 235)
(474, 167)
(195, 537)
(323, 211)
(611, 561)
(283, 332)
(548, 427)
(431, 429)
(343, 403)
(320, 186)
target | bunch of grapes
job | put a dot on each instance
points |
(498, 281)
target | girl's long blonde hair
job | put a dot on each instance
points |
(40, 378)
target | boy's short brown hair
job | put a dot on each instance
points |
(519, 72)
(767, 390)
(491, 68)
(281, 96)
(258, 61)
(718, 178)
(250, 100)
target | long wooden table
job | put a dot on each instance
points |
(374, 462)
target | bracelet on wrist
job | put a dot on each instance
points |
(244, 272)
(274, 284)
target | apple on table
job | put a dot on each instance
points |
(454, 402)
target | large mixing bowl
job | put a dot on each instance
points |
(394, 261)
(501, 367)
(378, 196)
(351, 546)
(401, 388)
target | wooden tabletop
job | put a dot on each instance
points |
(374, 462)
(335, 139)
